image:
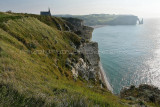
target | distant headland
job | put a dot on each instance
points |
(106, 19)
(101, 19)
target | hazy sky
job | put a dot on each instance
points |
(141, 8)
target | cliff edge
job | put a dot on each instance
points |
(50, 62)
(88, 66)
(43, 62)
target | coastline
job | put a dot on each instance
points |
(102, 72)
(104, 78)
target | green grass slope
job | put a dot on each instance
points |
(32, 70)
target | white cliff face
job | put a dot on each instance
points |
(75, 73)
(88, 66)
(90, 51)
(77, 26)
(82, 69)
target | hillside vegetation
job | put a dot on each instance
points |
(33, 71)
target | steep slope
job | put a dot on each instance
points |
(38, 56)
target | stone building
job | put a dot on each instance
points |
(46, 13)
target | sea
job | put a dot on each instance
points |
(130, 55)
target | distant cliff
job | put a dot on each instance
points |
(123, 20)
(105, 19)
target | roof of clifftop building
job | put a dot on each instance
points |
(46, 13)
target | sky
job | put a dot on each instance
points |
(141, 8)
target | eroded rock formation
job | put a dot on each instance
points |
(144, 92)
(88, 66)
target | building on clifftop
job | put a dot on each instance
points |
(45, 13)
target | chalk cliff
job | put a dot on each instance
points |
(124, 20)
(88, 66)
(78, 27)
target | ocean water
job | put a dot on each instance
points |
(130, 55)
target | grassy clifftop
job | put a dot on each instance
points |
(33, 71)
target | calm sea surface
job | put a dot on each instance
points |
(130, 55)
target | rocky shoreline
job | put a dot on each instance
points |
(143, 93)
(105, 79)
